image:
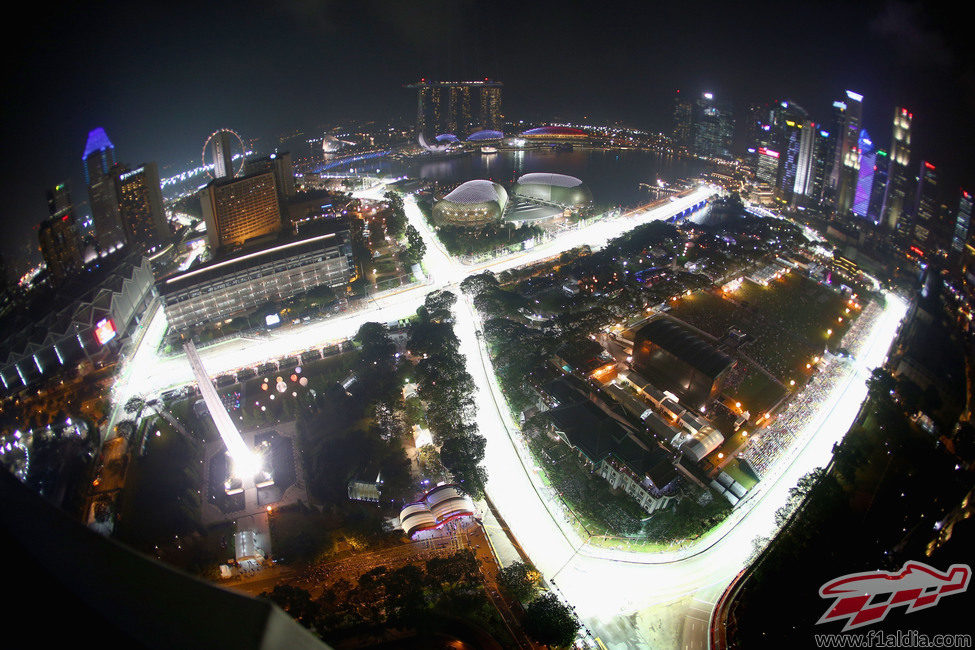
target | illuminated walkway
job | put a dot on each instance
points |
(245, 462)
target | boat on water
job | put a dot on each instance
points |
(489, 150)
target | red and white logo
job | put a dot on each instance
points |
(866, 598)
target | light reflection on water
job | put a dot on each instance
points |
(612, 175)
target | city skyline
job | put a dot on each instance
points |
(894, 54)
(489, 324)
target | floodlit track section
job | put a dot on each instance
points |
(245, 462)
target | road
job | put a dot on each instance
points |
(627, 599)
(624, 597)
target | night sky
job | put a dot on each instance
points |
(160, 77)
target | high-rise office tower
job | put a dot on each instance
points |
(895, 212)
(757, 132)
(926, 208)
(963, 222)
(881, 177)
(238, 210)
(834, 163)
(683, 111)
(864, 185)
(848, 153)
(823, 149)
(788, 133)
(59, 205)
(60, 245)
(58, 199)
(457, 107)
(101, 175)
(803, 188)
(99, 155)
(141, 207)
(768, 166)
(714, 127)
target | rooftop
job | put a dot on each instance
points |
(246, 260)
(477, 191)
(97, 140)
(485, 134)
(554, 130)
(680, 342)
(541, 178)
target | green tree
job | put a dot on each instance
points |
(416, 248)
(135, 405)
(520, 580)
(462, 455)
(549, 621)
(377, 347)
(475, 284)
(881, 383)
(395, 216)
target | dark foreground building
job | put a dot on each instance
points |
(677, 360)
(97, 589)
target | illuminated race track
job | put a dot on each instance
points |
(603, 584)
(147, 374)
(618, 594)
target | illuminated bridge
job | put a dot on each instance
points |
(348, 160)
(246, 463)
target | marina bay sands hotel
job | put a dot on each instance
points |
(457, 107)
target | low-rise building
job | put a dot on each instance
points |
(236, 284)
(639, 466)
(437, 507)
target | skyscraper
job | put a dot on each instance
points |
(848, 154)
(898, 184)
(58, 199)
(864, 186)
(60, 245)
(238, 210)
(759, 126)
(682, 120)
(926, 208)
(714, 127)
(457, 107)
(804, 184)
(99, 155)
(101, 174)
(963, 222)
(824, 145)
(768, 166)
(58, 236)
(141, 208)
(789, 163)
(881, 177)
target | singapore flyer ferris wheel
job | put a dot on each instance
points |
(224, 149)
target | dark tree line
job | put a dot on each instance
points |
(410, 597)
(446, 388)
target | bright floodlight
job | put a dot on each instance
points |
(245, 462)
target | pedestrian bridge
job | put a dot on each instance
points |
(246, 463)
